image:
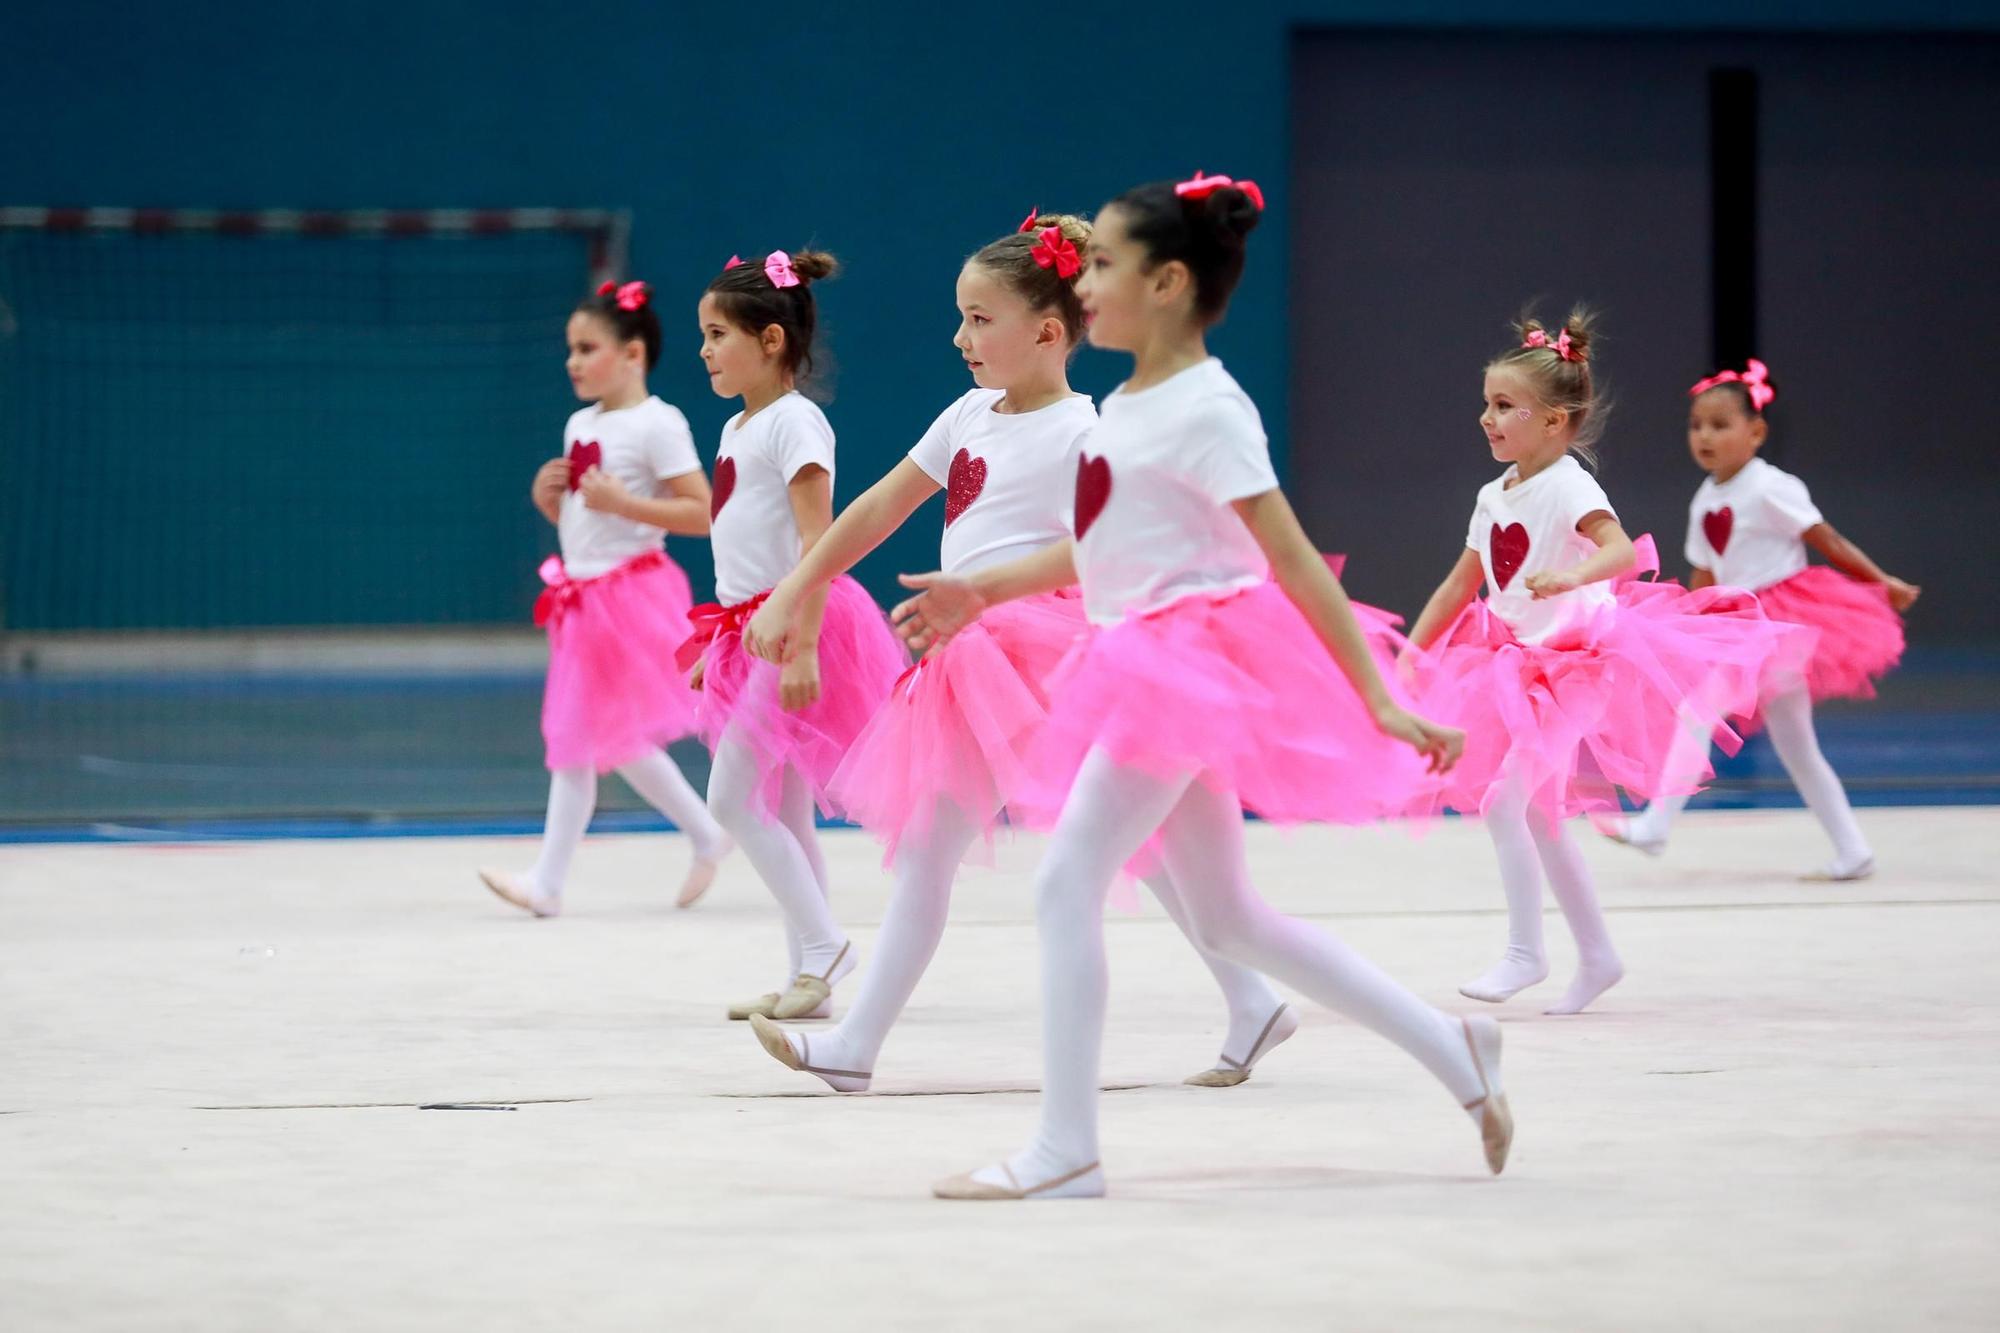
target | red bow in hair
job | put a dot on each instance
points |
(1200, 187)
(1028, 222)
(1752, 379)
(1053, 250)
(631, 295)
(735, 261)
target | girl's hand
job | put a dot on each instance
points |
(1552, 584)
(798, 680)
(765, 635)
(1406, 667)
(945, 606)
(551, 480)
(1439, 744)
(1902, 595)
(602, 493)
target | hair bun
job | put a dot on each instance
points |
(814, 265)
(1233, 212)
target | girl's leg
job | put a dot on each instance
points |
(914, 923)
(1687, 757)
(786, 867)
(1110, 813)
(572, 798)
(1598, 968)
(1526, 961)
(1259, 1019)
(1789, 717)
(659, 780)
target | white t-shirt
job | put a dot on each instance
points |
(756, 539)
(641, 446)
(1153, 490)
(1008, 477)
(1746, 531)
(1530, 530)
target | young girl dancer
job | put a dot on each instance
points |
(1748, 528)
(616, 606)
(932, 773)
(778, 733)
(1203, 689)
(1569, 675)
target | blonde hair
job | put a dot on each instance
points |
(1566, 383)
(1012, 260)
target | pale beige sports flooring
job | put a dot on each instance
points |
(211, 1060)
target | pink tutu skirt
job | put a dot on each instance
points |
(860, 658)
(959, 725)
(613, 690)
(1860, 634)
(1597, 708)
(1237, 690)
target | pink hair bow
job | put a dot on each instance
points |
(1560, 346)
(735, 261)
(778, 268)
(1028, 222)
(1753, 378)
(1200, 187)
(631, 295)
(1054, 250)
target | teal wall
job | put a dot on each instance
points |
(900, 142)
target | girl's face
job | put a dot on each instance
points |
(1518, 427)
(1723, 435)
(737, 359)
(599, 365)
(1118, 294)
(1004, 340)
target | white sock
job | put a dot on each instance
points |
(911, 928)
(1526, 961)
(1598, 968)
(1203, 842)
(660, 782)
(793, 874)
(1789, 717)
(572, 800)
(1252, 1001)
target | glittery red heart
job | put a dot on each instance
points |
(725, 485)
(582, 458)
(1509, 547)
(1093, 490)
(968, 479)
(1717, 525)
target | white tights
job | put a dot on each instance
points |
(1110, 813)
(573, 799)
(914, 923)
(1788, 717)
(785, 853)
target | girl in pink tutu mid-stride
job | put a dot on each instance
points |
(1570, 675)
(779, 733)
(1748, 528)
(936, 768)
(1205, 686)
(615, 605)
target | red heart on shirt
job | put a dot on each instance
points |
(1093, 491)
(1716, 526)
(725, 485)
(1509, 548)
(582, 458)
(967, 480)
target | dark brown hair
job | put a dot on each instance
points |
(1206, 234)
(643, 323)
(752, 302)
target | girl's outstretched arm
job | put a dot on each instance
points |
(947, 603)
(1852, 561)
